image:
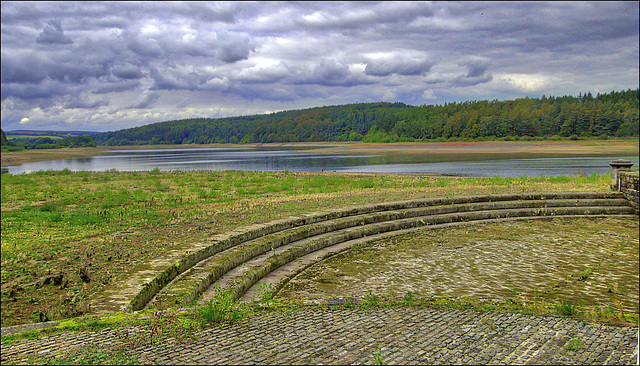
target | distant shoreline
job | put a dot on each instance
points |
(28, 156)
(459, 149)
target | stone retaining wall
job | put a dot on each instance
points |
(628, 183)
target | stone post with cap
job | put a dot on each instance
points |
(617, 166)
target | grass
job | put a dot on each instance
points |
(221, 308)
(567, 308)
(66, 235)
(178, 325)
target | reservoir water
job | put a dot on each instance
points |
(281, 159)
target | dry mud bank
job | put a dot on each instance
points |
(450, 151)
(446, 151)
(17, 158)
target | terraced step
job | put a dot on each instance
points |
(241, 259)
(251, 272)
(275, 280)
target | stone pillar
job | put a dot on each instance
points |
(617, 166)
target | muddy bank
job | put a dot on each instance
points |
(17, 158)
(446, 151)
(451, 151)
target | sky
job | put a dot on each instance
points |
(105, 66)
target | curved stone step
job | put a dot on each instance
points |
(209, 270)
(275, 280)
(476, 207)
(224, 242)
(263, 265)
(201, 275)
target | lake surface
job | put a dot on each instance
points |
(280, 159)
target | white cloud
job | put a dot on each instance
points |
(527, 82)
(428, 94)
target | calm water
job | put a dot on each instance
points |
(251, 159)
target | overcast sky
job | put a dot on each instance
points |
(107, 66)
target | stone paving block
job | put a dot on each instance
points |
(340, 336)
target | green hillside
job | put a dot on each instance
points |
(605, 115)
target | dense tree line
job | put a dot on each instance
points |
(604, 115)
(3, 140)
(334, 123)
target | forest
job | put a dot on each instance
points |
(606, 115)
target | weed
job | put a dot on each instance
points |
(263, 295)
(377, 358)
(619, 306)
(409, 297)
(567, 308)
(221, 308)
(371, 301)
(584, 274)
(349, 304)
(574, 344)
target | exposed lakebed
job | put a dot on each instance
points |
(295, 159)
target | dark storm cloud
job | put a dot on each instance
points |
(41, 94)
(127, 71)
(128, 63)
(326, 72)
(172, 78)
(233, 50)
(144, 46)
(22, 69)
(398, 66)
(52, 34)
(476, 69)
(145, 101)
(114, 86)
(83, 102)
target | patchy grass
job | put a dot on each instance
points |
(66, 235)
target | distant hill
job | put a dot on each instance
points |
(334, 123)
(29, 139)
(604, 115)
(33, 133)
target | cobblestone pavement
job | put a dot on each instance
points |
(356, 336)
